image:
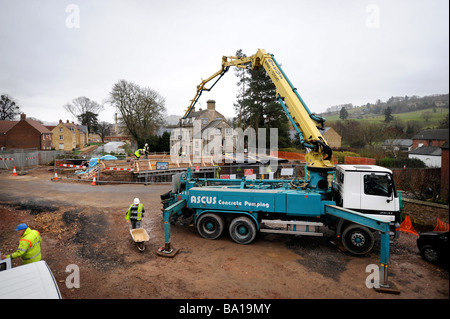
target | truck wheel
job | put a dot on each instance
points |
(242, 230)
(358, 240)
(210, 226)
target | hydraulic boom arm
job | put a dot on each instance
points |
(319, 153)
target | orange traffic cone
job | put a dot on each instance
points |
(93, 182)
(441, 226)
(56, 176)
(14, 172)
(406, 226)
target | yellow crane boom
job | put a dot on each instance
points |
(319, 154)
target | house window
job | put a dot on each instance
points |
(61, 137)
(60, 129)
(228, 131)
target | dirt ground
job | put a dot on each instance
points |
(84, 225)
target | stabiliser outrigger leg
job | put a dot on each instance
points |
(383, 227)
(168, 250)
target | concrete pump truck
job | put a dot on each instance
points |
(356, 201)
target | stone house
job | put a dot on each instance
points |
(199, 128)
(64, 138)
(24, 134)
(398, 145)
(67, 136)
(333, 139)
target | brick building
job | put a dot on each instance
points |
(434, 138)
(24, 134)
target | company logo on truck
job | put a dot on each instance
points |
(203, 199)
(212, 200)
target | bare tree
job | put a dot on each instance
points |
(104, 129)
(85, 110)
(142, 109)
(8, 108)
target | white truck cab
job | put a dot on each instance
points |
(30, 281)
(368, 189)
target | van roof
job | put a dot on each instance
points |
(30, 281)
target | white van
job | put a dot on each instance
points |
(30, 281)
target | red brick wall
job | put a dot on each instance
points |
(417, 180)
(444, 174)
(435, 143)
(23, 135)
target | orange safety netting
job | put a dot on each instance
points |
(407, 227)
(441, 226)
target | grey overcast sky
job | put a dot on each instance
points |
(334, 52)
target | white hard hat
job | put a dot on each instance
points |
(146, 144)
(136, 201)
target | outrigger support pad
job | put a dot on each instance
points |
(167, 251)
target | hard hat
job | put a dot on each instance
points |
(136, 201)
(146, 144)
(21, 227)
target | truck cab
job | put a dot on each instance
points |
(368, 189)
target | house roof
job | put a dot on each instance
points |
(438, 134)
(324, 130)
(38, 126)
(427, 150)
(398, 142)
(6, 125)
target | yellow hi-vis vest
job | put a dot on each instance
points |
(138, 153)
(29, 247)
(135, 214)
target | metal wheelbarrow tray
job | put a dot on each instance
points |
(140, 236)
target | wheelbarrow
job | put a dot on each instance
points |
(140, 236)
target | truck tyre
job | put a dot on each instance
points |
(242, 230)
(210, 226)
(357, 239)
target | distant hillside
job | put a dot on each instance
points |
(406, 108)
(435, 115)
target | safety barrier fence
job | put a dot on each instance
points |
(23, 159)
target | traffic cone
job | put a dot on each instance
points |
(406, 226)
(56, 176)
(14, 172)
(93, 182)
(441, 226)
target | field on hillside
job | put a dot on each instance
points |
(436, 117)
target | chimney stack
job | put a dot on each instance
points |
(23, 117)
(211, 104)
